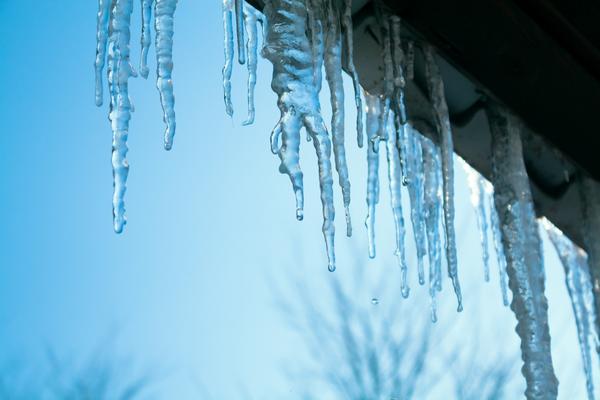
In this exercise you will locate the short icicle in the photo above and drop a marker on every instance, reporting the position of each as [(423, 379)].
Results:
[(164, 11), (477, 186), (373, 104), (435, 86), (497, 236), (146, 39), (101, 40), (228, 49), (240, 31), (348, 34), (251, 18), (579, 285), (119, 72), (522, 246), (333, 72), (289, 49), (432, 192)]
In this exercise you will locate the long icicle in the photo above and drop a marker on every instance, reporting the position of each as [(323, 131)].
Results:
[(119, 72), (240, 31), (101, 40), (146, 39), (395, 183), (348, 33), (289, 50), (497, 236), (579, 284), (251, 18), (333, 71), (476, 185), (373, 104), (435, 86), (433, 205), (522, 246), (228, 49), (164, 11)]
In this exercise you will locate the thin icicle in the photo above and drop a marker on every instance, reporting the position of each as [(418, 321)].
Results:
[(433, 204), (119, 72), (333, 70), (579, 285), (589, 191), (348, 31), (289, 50), (240, 31), (388, 67), (476, 185), (164, 11), (522, 246), (410, 60), (435, 86), (395, 182), (373, 125), (228, 49), (146, 36), (101, 38), (497, 236), (251, 18)]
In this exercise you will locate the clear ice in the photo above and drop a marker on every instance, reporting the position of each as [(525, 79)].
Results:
[(522, 247), (348, 34), (497, 236), (477, 187), (228, 49), (251, 21), (373, 106), (104, 11), (579, 285)]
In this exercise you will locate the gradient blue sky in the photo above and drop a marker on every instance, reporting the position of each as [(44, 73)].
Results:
[(188, 286)]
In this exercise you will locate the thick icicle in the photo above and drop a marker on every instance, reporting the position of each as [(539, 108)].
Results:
[(289, 50), (164, 11), (373, 126), (101, 38), (228, 49), (522, 246), (579, 285), (590, 199), (477, 187), (146, 36), (497, 236), (433, 205), (395, 182), (119, 71), (348, 32), (442, 119), (239, 24), (333, 71), (251, 18), (413, 179)]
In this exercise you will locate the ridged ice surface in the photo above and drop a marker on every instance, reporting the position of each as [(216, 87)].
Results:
[(477, 186), (522, 247), (101, 40), (373, 106), (251, 21), (228, 50), (579, 285), (590, 199), (500, 257), (437, 97), (119, 72), (146, 39), (164, 11), (289, 49), (432, 193)]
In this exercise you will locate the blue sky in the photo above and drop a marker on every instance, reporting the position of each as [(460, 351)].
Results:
[(211, 224)]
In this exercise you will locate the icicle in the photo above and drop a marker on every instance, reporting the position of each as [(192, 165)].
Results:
[(348, 30), (395, 182), (119, 71), (413, 178), (476, 185), (251, 18), (388, 67), (289, 50), (373, 126), (590, 199), (410, 60), (146, 37), (579, 285), (239, 23), (522, 247), (163, 25), (433, 205), (497, 235), (101, 37), (333, 70), (440, 111), (228, 48)]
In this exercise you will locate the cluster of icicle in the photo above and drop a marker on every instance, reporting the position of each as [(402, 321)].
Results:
[(113, 40)]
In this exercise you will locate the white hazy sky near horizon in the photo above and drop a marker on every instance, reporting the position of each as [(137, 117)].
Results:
[(211, 224)]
